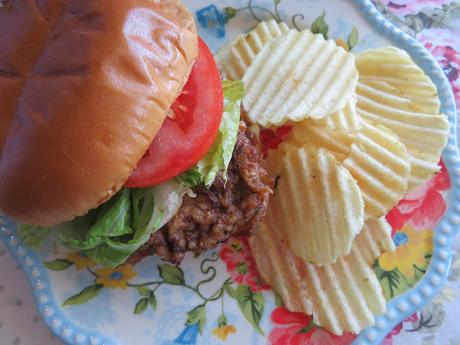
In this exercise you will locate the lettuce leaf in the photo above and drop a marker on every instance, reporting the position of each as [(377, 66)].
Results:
[(218, 157), (191, 178), (113, 232), (32, 236)]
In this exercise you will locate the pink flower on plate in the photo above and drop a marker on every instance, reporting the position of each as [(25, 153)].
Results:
[(444, 45), (424, 207), (291, 328), (405, 7), (395, 331), (240, 264)]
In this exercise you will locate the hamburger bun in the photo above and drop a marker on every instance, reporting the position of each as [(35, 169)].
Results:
[(84, 87)]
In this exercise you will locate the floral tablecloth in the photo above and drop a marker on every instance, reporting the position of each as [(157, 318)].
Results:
[(435, 23)]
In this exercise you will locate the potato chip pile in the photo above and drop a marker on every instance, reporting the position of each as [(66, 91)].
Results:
[(366, 129)]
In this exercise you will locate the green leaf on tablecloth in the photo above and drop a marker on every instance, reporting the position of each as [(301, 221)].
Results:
[(431, 318), (447, 17), (84, 296), (454, 274)]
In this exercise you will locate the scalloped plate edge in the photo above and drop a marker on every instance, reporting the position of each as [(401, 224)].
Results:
[(401, 307), (45, 302)]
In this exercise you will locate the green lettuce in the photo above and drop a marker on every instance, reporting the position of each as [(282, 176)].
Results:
[(122, 225), (115, 230), (32, 236), (191, 178), (218, 157)]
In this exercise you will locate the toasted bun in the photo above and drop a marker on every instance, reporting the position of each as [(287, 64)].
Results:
[(84, 87)]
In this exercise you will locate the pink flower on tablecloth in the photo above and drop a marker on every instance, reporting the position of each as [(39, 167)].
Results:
[(405, 7), (445, 47), (298, 329), (240, 264), (395, 331), (424, 207)]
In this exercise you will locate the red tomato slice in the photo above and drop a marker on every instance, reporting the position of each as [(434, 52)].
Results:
[(185, 139)]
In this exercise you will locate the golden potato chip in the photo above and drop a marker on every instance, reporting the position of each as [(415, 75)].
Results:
[(393, 67), (343, 297), (378, 161), (345, 120), (296, 76), (395, 92), (374, 156), (235, 58), (316, 202), (310, 132)]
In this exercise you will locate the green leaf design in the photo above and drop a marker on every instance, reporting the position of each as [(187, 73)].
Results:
[(278, 300), (222, 320), (141, 306), (153, 301), (320, 26), (171, 274), (230, 12), (353, 38), (197, 315), (393, 282), (251, 304), (230, 291), (84, 296), (58, 264), (143, 291)]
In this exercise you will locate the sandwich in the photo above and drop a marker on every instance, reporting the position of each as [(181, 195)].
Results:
[(118, 133)]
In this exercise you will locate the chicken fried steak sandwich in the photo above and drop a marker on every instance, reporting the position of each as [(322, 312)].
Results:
[(117, 132)]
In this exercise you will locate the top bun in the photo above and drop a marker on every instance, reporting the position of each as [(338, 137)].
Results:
[(84, 87)]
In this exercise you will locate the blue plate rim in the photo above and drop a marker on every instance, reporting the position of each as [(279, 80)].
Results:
[(406, 304), (45, 302), (398, 308)]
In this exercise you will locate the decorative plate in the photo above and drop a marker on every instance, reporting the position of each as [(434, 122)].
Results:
[(219, 297)]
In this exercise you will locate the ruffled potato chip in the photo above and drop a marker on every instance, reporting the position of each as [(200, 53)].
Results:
[(374, 156), (310, 132), (393, 91), (391, 67), (344, 296), (379, 162), (236, 57), (296, 76), (345, 120), (317, 203)]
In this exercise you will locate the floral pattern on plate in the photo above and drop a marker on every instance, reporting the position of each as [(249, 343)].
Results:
[(412, 221), (241, 287)]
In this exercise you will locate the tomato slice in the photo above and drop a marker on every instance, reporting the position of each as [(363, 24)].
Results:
[(188, 134)]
